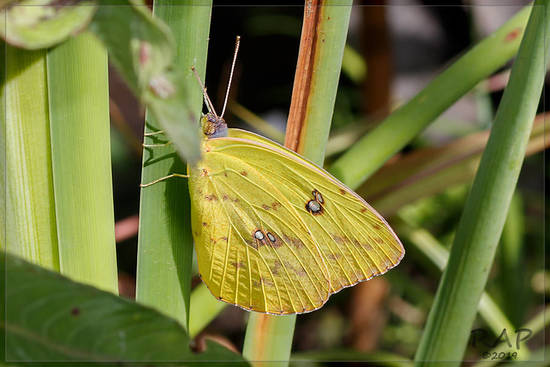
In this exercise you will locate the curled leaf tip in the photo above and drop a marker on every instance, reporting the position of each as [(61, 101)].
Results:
[(24, 24)]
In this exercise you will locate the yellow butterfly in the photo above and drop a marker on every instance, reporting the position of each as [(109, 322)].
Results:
[(275, 233)]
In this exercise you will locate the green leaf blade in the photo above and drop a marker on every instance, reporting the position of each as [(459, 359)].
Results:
[(81, 161), (165, 243), (52, 319), (30, 230)]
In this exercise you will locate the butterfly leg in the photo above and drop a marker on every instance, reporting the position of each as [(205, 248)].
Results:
[(153, 133), (157, 145), (164, 178)]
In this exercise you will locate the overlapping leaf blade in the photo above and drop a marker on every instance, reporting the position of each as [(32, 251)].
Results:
[(143, 50)]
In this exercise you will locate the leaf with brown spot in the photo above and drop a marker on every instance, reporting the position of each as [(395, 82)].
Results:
[(513, 34)]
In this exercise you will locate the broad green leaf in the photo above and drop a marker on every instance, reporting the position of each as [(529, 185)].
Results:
[(51, 318), (34, 24), (142, 48)]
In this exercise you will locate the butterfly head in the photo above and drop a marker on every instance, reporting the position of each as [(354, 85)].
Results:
[(213, 126)]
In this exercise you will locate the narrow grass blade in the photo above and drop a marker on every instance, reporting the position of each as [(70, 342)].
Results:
[(430, 247), (353, 65), (341, 139), (30, 209), (165, 244), (81, 161), (256, 122), (429, 171), (540, 321), (513, 289), (269, 338), (314, 91), (3, 152), (204, 308), (450, 319), (404, 124)]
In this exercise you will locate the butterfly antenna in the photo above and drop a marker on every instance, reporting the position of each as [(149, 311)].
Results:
[(237, 43), (207, 100)]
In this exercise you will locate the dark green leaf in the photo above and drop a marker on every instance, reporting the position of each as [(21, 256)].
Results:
[(50, 318)]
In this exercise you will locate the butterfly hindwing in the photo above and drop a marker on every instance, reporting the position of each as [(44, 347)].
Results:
[(252, 246)]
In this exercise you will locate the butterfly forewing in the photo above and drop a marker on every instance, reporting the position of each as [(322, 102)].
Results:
[(254, 248), (355, 241)]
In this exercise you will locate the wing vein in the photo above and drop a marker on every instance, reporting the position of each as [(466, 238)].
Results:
[(297, 217), (375, 245), (324, 229), (258, 254), (289, 247), (359, 242)]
